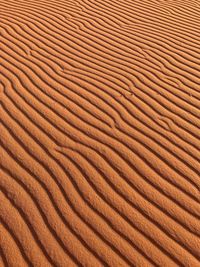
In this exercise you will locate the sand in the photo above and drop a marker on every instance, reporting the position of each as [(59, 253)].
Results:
[(99, 133)]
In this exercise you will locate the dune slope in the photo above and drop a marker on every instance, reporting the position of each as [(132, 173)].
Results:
[(99, 133)]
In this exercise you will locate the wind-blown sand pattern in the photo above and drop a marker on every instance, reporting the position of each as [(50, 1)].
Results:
[(99, 133)]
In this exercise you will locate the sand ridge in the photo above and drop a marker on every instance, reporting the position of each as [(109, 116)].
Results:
[(99, 133)]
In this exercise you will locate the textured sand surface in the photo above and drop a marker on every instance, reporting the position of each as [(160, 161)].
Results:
[(99, 133)]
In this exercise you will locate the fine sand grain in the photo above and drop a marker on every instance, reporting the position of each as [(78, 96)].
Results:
[(99, 133)]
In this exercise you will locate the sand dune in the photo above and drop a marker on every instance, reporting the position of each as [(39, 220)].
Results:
[(99, 133)]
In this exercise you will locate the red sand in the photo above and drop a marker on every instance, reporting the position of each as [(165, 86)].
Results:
[(99, 133)]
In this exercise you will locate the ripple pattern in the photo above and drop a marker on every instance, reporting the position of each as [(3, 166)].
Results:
[(99, 133)]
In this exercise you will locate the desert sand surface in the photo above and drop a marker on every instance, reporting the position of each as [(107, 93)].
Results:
[(99, 133)]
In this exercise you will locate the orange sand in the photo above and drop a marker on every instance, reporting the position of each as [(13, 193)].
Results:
[(99, 133)]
